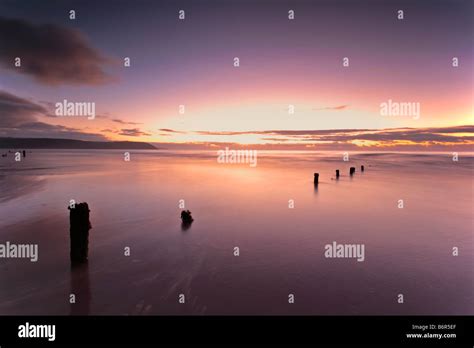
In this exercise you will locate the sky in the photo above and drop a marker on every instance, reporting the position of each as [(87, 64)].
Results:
[(284, 64)]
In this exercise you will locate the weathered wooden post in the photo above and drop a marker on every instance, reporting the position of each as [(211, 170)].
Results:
[(337, 173), (316, 178), (352, 170), (361, 168), (79, 232), (186, 217)]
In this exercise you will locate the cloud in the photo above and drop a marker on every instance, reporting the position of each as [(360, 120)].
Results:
[(340, 107), (225, 133), (462, 135), (15, 110), (117, 120), (46, 130), (167, 130), (19, 117), (276, 139), (133, 132), (282, 132), (51, 54)]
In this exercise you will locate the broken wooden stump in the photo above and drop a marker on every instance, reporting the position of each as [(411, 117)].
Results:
[(186, 217), (79, 232), (316, 178)]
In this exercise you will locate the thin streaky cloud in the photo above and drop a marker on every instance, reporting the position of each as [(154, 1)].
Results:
[(117, 120), (336, 108), (133, 132)]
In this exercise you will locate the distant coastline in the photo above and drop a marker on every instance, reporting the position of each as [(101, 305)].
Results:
[(52, 143)]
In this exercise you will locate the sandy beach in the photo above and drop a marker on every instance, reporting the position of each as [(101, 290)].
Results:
[(136, 204)]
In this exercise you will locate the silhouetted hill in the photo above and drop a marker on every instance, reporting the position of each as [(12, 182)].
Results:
[(51, 143)]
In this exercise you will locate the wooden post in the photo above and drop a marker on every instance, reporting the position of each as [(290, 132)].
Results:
[(316, 178), (79, 232), (186, 217)]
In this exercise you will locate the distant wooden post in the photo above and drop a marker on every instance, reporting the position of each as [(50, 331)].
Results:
[(316, 178), (186, 217), (79, 232), (352, 170), (337, 173), (361, 168)]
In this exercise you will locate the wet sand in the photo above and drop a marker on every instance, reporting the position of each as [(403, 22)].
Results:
[(136, 204)]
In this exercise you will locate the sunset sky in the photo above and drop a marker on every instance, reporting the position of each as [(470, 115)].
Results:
[(282, 62)]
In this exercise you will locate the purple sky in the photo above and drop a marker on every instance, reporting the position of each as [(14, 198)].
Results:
[(190, 62)]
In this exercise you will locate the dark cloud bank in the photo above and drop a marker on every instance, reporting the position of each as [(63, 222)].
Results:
[(51, 54), (20, 117)]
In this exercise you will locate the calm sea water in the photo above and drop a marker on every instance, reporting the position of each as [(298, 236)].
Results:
[(136, 204)]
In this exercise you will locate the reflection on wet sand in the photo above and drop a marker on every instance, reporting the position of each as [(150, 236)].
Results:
[(281, 249), (14, 186), (80, 297)]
